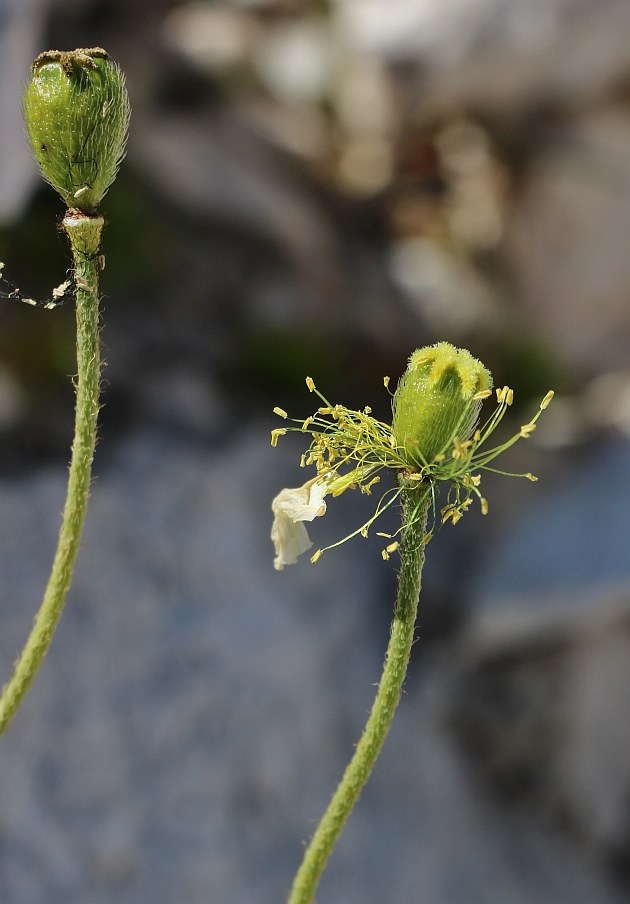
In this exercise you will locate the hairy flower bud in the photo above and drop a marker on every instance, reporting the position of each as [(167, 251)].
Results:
[(76, 111), (438, 400)]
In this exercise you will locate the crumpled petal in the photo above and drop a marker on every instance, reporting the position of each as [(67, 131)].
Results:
[(291, 508)]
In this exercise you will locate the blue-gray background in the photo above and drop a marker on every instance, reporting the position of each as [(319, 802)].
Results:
[(318, 188)]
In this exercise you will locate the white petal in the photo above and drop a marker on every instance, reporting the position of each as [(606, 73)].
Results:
[(291, 508)]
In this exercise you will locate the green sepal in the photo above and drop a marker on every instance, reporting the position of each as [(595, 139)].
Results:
[(76, 110), (437, 401)]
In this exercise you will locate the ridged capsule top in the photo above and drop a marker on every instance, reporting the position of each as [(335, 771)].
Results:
[(437, 400), (76, 110)]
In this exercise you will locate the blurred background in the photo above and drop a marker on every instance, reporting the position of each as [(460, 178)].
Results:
[(319, 188)]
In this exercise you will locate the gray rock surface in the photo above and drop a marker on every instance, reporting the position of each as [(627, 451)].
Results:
[(544, 662), (497, 55), (566, 239), (568, 547), (196, 708)]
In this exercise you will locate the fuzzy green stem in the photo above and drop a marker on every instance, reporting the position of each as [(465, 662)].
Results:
[(414, 512), (84, 234)]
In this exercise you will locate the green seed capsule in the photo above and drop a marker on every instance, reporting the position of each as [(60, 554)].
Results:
[(437, 401), (76, 111)]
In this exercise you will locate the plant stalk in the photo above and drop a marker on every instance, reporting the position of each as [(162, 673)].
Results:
[(84, 234), (414, 512)]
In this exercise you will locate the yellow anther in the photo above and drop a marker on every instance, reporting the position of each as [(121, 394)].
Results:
[(310, 384), (460, 449), (484, 506), (385, 379), (276, 434), (505, 396), (545, 402), (526, 430), (531, 477), (280, 411), (317, 556), (393, 547), (484, 394)]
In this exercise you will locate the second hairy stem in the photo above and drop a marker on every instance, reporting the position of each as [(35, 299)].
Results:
[(84, 233), (415, 503)]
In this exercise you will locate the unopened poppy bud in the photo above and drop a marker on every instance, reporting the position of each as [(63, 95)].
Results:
[(76, 111), (437, 401)]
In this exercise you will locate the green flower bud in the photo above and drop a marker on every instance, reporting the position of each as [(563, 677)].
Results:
[(76, 110), (438, 400)]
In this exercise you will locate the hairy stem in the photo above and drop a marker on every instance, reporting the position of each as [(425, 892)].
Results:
[(415, 505), (84, 233)]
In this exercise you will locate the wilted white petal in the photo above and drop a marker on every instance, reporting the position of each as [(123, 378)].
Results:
[(291, 508)]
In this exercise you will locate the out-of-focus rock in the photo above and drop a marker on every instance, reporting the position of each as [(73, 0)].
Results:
[(220, 168), (544, 664), (566, 240), (216, 37), (21, 24), (541, 708), (500, 56), (567, 547), (446, 292)]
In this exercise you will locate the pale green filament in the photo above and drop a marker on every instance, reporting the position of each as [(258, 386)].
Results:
[(350, 449)]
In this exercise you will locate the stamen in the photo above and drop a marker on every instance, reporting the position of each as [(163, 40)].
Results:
[(545, 402), (276, 434)]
